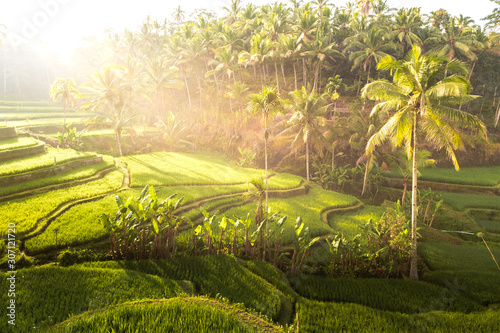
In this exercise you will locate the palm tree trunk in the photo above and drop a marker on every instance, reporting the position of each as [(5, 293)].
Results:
[(295, 75), (187, 89), (307, 159), (365, 178), (277, 76), (304, 72), (265, 175), (414, 254), (199, 88), (403, 198), (64, 109), (316, 77), (333, 156), (283, 72), (119, 140), (472, 69)]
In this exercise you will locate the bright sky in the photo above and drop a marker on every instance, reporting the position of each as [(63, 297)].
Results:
[(61, 24)]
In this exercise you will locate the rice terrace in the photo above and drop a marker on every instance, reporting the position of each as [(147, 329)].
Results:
[(250, 166)]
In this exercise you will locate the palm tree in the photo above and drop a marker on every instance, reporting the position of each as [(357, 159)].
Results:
[(320, 50), (266, 102), (112, 98), (453, 42), (423, 99), (160, 77), (368, 51), (494, 18), (232, 11), (178, 15), (309, 109), (65, 89), (237, 93), (289, 46), (406, 24)]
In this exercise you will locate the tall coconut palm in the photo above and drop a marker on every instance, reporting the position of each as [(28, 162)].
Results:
[(453, 42), (66, 90), (160, 76), (406, 24), (112, 99), (320, 50), (266, 102), (373, 47), (309, 109), (423, 100)]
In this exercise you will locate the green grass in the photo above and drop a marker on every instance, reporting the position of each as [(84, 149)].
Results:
[(186, 169), (272, 275), (469, 268), (79, 225), (485, 176), (349, 223), (20, 142), (48, 295), (209, 206), (284, 181), (33, 115), (345, 317), (191, 315), (460, 201), (25, 212), (482, 176), (309, 207), (75, 174), (111, 132), (490, 226), (212, 275), (42, 121), (31, 163), (403, 296), (480, 286), (447, 256)]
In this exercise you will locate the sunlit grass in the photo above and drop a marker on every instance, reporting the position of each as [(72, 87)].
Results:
[(308, 207), (20, 142), (22, 116), (25, 212), (76, 174), (42, 121), (349, 223), (484, 176), (31, 163), (81, 224), (186, 169)]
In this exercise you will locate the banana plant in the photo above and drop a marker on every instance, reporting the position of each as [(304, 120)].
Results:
[(210, 232), (141, 222), (336, 246), (246, 224), (302, 243)]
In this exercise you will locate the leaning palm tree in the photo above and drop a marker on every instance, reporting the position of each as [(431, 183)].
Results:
[(265, 102), (307, 118), (65, 89), (422, 98)]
